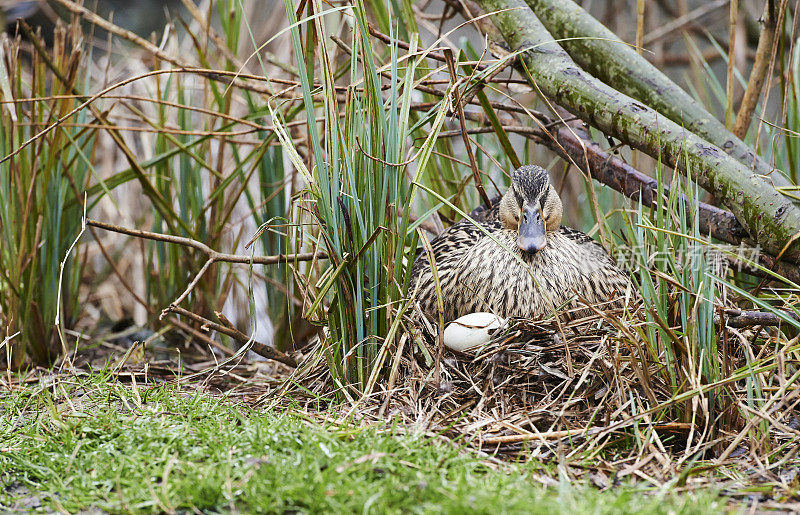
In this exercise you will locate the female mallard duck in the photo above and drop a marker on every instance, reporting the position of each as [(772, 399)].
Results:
[(520, 262)]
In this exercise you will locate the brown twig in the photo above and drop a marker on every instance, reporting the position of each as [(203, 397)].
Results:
[(405, 46), (476, 176), (730, 83), (764, 56), (228, 329), (681, 22), (500, 106), (175, 321), (557, 435), (543, 436), (212, 254)]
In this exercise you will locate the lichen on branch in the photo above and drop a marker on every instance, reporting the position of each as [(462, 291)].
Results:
[(768, 216)]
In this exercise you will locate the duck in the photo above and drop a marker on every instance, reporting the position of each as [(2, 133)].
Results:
[(517, 260)]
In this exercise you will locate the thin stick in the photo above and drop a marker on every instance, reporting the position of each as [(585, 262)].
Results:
[(733, 19), (548, 435), (683, 21), (764, 55), (737, 318), (194, 282), (476, 176), (208, 251), (228, 329), (175, 321), (640, 7), (557, 435)]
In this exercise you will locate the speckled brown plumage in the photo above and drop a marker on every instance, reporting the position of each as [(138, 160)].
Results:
[(477, 273)]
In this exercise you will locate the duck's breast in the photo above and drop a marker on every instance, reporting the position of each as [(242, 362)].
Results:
[(494, 275)]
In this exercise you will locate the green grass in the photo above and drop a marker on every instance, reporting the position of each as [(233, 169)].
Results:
[(92, 443)]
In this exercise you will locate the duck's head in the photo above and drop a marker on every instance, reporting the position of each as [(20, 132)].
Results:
[(531, 207)]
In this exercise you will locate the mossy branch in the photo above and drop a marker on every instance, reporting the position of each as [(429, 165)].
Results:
[(769, 217), (600, 52)]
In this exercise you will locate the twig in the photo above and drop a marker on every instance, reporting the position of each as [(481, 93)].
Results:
[(440, 93), (764, 55), (208, 251), (175, 321), (557, 435), (733, 19), (228, 329), (476, 176), (683, 21), (405, 46), (789, 271), (544, 436)]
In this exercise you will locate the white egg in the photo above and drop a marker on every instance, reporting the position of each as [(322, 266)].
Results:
[(471, 331)]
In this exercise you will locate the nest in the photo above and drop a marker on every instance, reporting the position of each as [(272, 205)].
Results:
[(592, 386), (533, 385)]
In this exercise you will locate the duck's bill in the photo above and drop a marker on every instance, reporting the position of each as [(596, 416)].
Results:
[(532, 236)]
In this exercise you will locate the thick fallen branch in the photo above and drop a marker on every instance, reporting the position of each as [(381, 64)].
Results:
[(737, 318), (613, 171), (770, 218), (600, 52)]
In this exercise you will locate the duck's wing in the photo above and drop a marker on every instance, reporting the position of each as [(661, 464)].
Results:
[(577, 236), (595, 251), (449, 249), (485, 213), (450, 245)]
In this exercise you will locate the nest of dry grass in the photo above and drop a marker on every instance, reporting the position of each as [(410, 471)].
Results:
[(588, 387)]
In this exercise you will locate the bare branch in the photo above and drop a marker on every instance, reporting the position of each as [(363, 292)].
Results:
[(228, 329), (208, 251), (765, 53), (737, 318)]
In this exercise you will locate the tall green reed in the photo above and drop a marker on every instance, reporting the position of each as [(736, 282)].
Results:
[(41, 193), (685, 282), (677, 284), (357, 180)]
